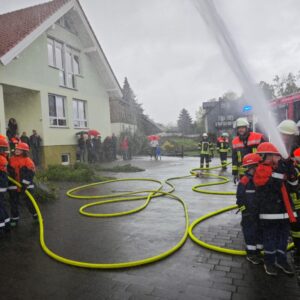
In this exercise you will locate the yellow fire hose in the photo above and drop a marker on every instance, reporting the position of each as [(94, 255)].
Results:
[(149, 197), (132, 196)]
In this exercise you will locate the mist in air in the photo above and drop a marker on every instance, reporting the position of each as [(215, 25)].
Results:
[(237, 63)]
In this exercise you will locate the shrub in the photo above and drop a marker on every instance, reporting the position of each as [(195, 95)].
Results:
[(76, 173), (167, 146), (125, 169)]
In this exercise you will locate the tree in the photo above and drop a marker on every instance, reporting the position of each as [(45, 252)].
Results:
[(230, 95), (290, 85), (278, 86), (200, 121), (128, 94), (136, 114), (267, 89), (286, 85), (184, 122)]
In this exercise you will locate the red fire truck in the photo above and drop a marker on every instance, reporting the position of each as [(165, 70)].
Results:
[(287, 107)]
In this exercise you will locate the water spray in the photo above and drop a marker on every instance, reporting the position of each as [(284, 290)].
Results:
[(237, 63)]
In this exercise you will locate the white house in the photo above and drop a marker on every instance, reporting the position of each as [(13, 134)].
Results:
[(54, 76)]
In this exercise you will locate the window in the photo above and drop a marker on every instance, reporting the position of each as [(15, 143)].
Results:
[(66, 59), (79, 114), (55, 54), (72, 66), (51, 60), (65, 159), (57, 112)]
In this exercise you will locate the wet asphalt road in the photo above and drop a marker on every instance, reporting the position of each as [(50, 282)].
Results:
[(191, 273)]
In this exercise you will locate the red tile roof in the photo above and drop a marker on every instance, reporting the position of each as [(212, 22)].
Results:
[(16, 25)]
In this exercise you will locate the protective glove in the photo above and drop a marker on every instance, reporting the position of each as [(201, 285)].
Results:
[(241, 208), (285, 166), (24, 188), (236, 179)]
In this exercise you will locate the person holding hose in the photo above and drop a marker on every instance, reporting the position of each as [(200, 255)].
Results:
[(289, 132), (22, 169), (244, 143), (295, 227), (206, 148), (249, 208), (4, 218), (272, 178), (222, 148)]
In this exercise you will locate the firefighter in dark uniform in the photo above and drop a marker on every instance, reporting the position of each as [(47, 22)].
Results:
[(222, 148), (289, 132), (295, 227), (4, 218), (206, 148), (249, 208), (22, 169), (273, 177), (244, 143)]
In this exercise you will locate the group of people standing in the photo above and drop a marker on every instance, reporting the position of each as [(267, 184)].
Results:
[(268, 195), (34, 141), (268, 191), (19, 166), (207, 148), (91, 149)]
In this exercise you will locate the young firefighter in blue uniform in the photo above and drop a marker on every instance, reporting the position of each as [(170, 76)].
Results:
[(249, 208), (206, 148), (272, 178), (4, 218), (22, 169)]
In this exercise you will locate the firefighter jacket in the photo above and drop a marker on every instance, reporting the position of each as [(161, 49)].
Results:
[(269, 195), (295, 195), (222, 144), (246, 197), (22, 169), (3, 174), (241, 147), (205, 147)]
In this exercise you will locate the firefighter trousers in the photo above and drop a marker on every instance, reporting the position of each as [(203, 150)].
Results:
[(295, 233), (223, 157), (252, 233), (275, 240), (14, 197), (4, 218), (206, 158)]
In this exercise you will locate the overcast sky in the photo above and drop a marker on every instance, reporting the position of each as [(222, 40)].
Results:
[(170, 58)]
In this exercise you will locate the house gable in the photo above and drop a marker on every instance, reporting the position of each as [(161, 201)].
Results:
[(44, 17)]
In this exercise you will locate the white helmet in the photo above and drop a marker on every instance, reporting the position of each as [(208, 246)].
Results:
[(225, 134), (204, 134), (241, 122), (288, 127)]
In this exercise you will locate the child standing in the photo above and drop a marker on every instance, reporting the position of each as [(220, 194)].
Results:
[(22, 169), (4, 218), (271, 179), (249, 208)]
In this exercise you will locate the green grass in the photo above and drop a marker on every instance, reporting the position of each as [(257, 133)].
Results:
[(191, 153), (121, 169)]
